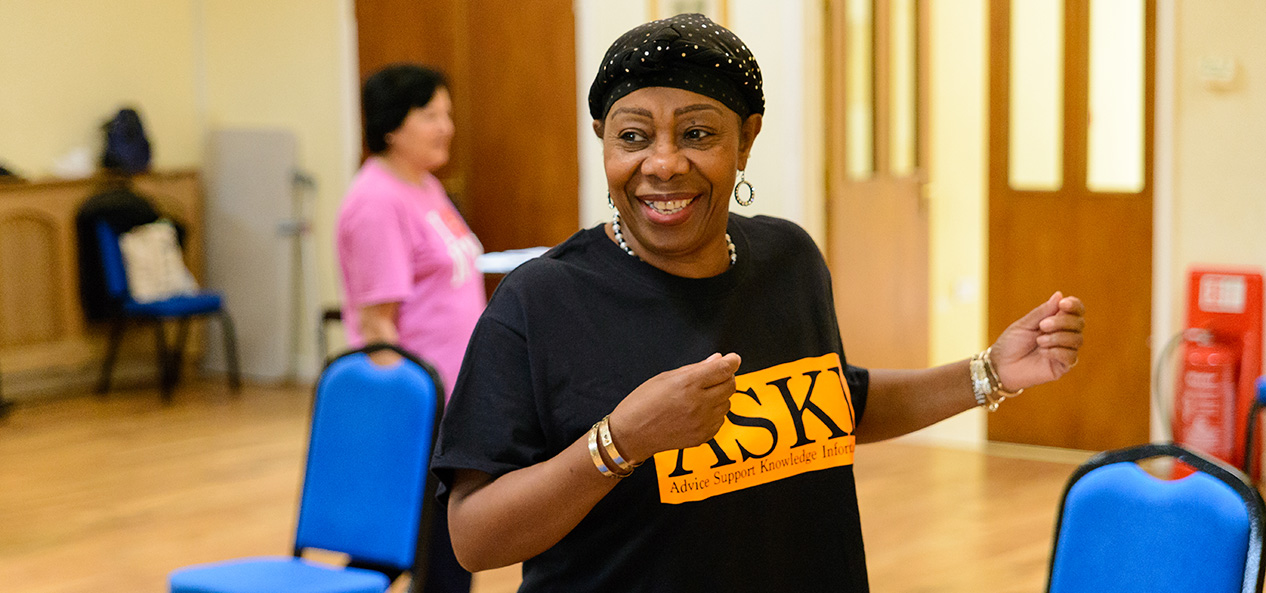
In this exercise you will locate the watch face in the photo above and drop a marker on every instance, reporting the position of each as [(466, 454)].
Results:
[(980, 380)]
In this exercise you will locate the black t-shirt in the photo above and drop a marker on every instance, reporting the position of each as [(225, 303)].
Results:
[(767, 505)]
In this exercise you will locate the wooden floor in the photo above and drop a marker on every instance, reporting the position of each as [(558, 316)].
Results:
[(110, 494)]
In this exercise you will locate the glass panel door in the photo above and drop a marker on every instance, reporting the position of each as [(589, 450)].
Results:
[(1115, 136), (1037, 93)]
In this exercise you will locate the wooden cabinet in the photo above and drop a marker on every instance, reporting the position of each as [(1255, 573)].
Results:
[(45, 341)]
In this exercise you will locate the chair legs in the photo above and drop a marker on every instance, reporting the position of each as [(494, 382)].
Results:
[(166, 374), (230, 351), (5, 405), (170, 356), (112, 351)]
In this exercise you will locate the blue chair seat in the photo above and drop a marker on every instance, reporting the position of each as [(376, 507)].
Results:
[(201, 303), (270, 574)]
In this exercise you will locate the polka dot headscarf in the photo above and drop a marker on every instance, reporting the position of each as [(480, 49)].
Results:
[(687, 51)]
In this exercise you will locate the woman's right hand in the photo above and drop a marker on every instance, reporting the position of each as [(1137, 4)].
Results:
[(519, 515), (675, 409)]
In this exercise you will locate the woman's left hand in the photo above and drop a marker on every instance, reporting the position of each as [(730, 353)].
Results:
[(1041, 346)]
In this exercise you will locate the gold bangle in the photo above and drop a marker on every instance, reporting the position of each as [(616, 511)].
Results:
[(597, 457), (987, 357), (608, 445)]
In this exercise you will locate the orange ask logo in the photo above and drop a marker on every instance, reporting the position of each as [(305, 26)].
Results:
[(785, 420)]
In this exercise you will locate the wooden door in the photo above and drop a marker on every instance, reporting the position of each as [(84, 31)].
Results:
[(514, 169), (877, 220), (1076, 214)]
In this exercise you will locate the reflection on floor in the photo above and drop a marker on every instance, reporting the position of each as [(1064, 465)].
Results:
[(109, 494)]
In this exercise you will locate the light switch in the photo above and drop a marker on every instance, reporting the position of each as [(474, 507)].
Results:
[(1218, 72)]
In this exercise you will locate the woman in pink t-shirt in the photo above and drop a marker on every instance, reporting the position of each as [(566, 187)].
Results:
[(407, 257)]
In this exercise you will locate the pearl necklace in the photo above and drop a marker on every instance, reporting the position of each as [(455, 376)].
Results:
[(619, 238)]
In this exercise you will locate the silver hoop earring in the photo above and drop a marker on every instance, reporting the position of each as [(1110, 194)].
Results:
[(751, 192)]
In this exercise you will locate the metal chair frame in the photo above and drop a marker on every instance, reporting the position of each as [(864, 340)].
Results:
[(1231, 476)]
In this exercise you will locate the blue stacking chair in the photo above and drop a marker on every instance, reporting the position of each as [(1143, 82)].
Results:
[(180, 308), (1122, 530), (367, 492)]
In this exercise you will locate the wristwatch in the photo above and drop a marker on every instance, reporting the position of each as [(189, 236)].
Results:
[(985, 383), (981, 385)]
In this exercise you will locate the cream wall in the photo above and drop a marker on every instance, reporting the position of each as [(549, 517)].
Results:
[(290, 64), (957, 181), (189, 66), (1211, 205), (1219, 139), (69, 65)]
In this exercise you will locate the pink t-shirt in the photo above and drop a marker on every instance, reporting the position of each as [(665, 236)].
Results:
[(403, 243)]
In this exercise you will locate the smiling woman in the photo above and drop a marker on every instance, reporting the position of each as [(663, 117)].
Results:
[(677, 109), (697, 343), (671, 157)]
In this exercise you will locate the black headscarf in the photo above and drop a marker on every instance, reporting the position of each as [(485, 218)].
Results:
[(688, 52)]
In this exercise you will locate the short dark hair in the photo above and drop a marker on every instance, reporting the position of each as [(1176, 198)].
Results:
[(388, 96)]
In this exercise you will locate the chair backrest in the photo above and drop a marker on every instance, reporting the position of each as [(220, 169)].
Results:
[(366, 488), (1122, 530), (112, 262), (122, 207)]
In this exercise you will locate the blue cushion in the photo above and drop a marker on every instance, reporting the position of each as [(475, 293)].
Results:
[(1126, 531), (177, 306), (268, 574)]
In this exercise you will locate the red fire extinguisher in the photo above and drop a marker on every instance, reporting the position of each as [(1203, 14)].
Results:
[(1221, 360), (1205, 413)]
